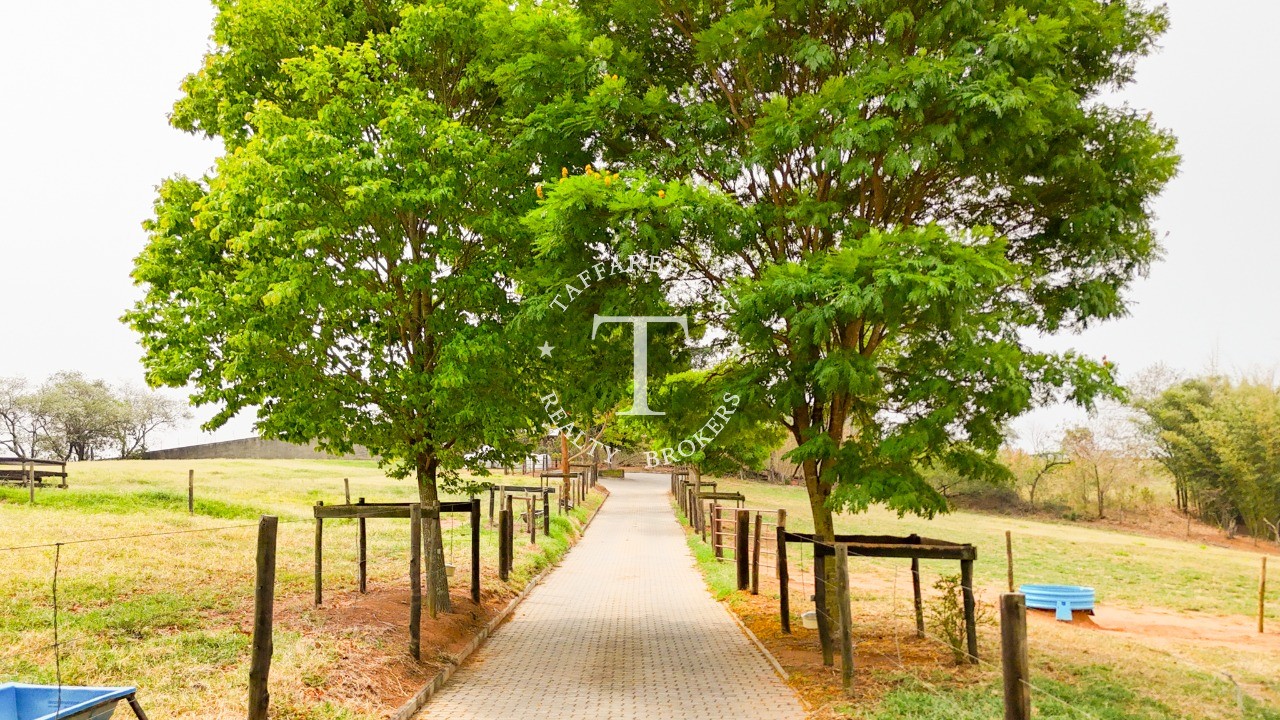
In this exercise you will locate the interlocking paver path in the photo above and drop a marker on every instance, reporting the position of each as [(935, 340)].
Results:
[(624, 628)]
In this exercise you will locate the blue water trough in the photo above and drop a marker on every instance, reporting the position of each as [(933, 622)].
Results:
[(42, 702), (1062, 599)]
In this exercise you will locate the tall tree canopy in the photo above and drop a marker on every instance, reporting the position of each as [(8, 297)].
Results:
[(885, 198), (347, 267)]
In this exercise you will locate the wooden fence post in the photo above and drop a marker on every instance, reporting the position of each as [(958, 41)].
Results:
[(784, 591), (918, 597), (755, 555), (820, 604), (533, 520), (502, 544), (846, 618), (346, 489), (264, 594), (1262, 596), (415, 581), (1013, 656), (31, 479), (1008, 552), (970, 610), (716, 528), (490, 505), (362, 555), (504, 541), (742, 549), (546, 513), (511, 535), (319, 555), (191, 492), (475, 550)]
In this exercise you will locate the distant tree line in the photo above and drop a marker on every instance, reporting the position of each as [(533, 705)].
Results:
[(1216, 437), (70, 417), (1220, 440)]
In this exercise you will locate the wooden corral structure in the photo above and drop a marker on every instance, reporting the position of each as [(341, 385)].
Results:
[(912, 547), (363, 511), (25, 471)]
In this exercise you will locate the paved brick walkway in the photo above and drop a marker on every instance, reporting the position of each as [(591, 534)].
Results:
[(624, 628)]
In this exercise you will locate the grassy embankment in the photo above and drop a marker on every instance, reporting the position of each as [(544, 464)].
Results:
[(172, 613), (1199, 599)]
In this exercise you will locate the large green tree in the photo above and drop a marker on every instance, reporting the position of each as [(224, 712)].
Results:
[(884, 199), (347, 267)]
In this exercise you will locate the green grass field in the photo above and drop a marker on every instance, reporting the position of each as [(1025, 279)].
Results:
[(171, 613), (1124, 568), (1192, 669)]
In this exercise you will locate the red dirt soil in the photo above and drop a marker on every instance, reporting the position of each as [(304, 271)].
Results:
[(387, 679), (885, 655), (1157, 624)]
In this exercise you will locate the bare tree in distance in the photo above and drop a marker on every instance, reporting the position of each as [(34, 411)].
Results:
[(72, 417), (144, 413)]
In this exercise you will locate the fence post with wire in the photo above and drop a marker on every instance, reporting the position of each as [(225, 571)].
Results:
[(264, 593), (1015, 665)]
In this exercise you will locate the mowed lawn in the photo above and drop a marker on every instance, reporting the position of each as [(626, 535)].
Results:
[(171, 613), (1184, 647)]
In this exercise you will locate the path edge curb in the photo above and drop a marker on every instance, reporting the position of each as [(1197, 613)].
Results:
[(768, 656), (777, 666), (419, 700)]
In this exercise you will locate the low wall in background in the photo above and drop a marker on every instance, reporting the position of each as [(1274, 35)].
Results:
[(249, 449)]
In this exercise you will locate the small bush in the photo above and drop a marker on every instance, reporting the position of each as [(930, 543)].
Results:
[(946, 615)]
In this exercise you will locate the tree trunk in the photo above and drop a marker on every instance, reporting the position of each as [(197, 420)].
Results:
[(437, 596), (823, 530)]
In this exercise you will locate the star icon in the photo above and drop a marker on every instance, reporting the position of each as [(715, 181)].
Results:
[(546, 349)]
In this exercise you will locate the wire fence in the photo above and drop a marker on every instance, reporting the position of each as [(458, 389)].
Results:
[(123, 603), (720, 528), (61, 645)]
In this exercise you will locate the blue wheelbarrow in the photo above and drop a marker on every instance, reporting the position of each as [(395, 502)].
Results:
[(48, 702)]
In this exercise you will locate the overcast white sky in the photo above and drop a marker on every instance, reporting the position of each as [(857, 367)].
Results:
[(85, 88)]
